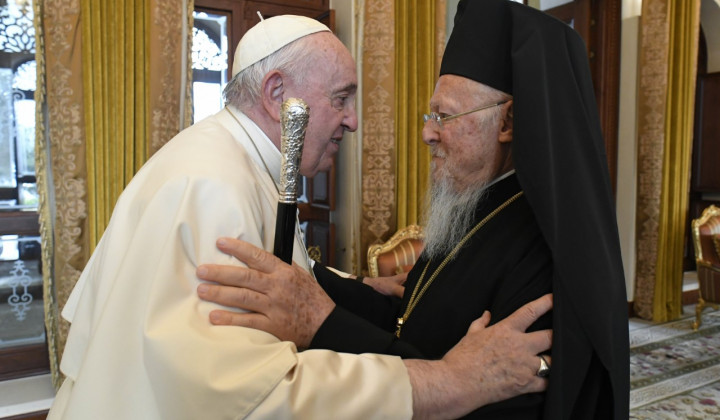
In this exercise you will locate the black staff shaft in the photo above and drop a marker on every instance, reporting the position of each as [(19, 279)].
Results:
[(285, 231), (293, 121)]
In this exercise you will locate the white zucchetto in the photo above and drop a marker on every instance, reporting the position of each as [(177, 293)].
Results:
[(269, 35)]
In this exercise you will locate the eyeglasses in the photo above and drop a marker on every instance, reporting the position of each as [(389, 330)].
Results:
[(434, 116)]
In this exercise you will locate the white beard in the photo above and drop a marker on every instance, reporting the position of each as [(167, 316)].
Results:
[(449, 214)]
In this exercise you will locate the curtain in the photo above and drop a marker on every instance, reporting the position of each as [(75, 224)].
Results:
[(402, 45), (667, 68), (114, 84), (123, 126), (61, 166), (418, 51)]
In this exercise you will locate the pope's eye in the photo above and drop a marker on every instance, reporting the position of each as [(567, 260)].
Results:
[(338, 102)]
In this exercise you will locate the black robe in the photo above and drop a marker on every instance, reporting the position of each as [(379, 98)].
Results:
[(504, 265), (559, 155)]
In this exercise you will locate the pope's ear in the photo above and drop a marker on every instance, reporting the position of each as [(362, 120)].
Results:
[(272, 91), (506, 125)]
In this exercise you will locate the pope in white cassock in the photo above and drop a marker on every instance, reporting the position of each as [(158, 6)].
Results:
[(140, 344)]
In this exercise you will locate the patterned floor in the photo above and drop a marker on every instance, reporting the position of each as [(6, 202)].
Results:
[(675, 371)]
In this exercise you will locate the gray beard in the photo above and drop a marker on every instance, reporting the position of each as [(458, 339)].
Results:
[(449, 215)]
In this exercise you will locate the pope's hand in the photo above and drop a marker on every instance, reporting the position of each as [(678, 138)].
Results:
[(283, 300), (490, 364), (504, 354)]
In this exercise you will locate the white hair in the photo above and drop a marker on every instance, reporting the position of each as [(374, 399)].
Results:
[(243, 90)]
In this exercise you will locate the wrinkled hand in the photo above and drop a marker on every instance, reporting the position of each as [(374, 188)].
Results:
[(283, 300), (503, 357), (389, 286), (490, 364)]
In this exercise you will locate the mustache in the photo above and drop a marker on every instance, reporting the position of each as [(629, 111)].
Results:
[(436, 151)]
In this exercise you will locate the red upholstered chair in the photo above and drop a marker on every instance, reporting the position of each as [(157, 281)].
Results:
[(398, 254), (706, 237)]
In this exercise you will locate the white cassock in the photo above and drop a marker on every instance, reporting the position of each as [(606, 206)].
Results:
[(141, 345)]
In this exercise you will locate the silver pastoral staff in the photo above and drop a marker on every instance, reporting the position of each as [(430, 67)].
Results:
[(293, 120)]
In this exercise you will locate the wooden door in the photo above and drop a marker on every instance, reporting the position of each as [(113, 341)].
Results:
[(598, 23)]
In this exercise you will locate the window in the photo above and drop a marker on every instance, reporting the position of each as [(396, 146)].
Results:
[(21, 304), (17, 106), (210, 58), (23, 349)]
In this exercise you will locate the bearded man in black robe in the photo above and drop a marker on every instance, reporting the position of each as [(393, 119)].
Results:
[(520, 206)]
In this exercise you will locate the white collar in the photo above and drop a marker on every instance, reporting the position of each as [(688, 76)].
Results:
[(266, 154), (500, 178)]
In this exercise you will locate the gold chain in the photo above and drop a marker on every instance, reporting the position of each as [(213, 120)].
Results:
[(415, 297)]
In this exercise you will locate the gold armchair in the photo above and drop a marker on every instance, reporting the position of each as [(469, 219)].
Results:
[(706, 238), (398, 254)]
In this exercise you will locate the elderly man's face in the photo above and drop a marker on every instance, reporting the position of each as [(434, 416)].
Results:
[(472, 149), (330, 94)]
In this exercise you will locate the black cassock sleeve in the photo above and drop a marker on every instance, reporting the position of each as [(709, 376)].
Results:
[(363, 320)]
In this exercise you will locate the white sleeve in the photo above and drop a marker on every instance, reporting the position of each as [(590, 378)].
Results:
[(339, 272), (329, 385), (141, 344)]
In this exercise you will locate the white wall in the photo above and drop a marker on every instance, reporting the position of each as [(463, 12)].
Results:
[(450, 17), (710, 20), (627, 148), (346, 217), (626, 193), (631, 8)]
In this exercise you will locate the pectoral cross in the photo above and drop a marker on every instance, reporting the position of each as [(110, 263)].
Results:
[(400, 322)]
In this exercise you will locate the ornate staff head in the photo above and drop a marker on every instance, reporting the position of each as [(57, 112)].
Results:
[(293, 119)]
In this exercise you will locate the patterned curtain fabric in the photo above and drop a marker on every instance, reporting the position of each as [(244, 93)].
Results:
[(666, 100), (402, 44), (378, 125), (60, 166), (115, 80)]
